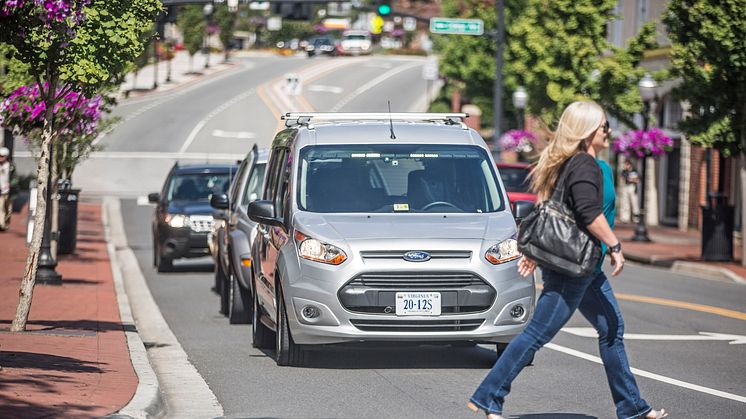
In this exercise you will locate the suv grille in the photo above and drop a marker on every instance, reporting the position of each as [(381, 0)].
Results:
[(375, 293), (201, 223), (385, 325), (399, 254)]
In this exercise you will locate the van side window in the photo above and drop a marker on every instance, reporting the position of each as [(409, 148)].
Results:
[(284, 182), (273, 173)]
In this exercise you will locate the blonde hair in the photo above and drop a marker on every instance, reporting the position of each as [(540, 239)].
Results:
[(578, 123)]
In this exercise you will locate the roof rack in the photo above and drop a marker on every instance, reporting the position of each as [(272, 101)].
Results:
[(305, 118)]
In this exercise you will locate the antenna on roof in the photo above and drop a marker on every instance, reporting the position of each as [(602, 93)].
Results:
[(391, 122)]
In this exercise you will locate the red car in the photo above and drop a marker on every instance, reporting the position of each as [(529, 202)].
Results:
[(515, 179)]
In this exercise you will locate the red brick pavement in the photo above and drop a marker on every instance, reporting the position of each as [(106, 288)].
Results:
[(73, 361), (669, 245)]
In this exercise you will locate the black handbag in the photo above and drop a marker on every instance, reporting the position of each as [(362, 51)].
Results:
[(550, 236)]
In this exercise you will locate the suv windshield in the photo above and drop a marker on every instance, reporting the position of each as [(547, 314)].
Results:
[(397, 178), (197, 186), (515, 179)]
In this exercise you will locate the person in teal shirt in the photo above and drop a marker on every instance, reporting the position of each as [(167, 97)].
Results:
[(609, 204)]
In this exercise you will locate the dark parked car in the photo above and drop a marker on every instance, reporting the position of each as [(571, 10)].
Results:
[(183, 216), (321, 46), (234, 234)]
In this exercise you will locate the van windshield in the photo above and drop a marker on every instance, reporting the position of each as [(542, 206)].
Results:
[(397, 178)]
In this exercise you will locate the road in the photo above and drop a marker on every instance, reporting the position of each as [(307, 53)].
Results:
[(691, 377)]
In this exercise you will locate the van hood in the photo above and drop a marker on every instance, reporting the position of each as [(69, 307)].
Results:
[(335, 227)]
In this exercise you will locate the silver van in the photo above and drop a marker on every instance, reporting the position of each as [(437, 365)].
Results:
[(384, 227)]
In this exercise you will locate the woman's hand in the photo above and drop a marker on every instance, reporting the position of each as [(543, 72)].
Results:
[(526, 266), (617, 261)]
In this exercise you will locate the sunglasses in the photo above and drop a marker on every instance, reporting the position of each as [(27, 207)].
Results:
[(607, 128)]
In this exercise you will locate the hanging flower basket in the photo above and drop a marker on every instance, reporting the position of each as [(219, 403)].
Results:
[(640, 144), (520, 141)]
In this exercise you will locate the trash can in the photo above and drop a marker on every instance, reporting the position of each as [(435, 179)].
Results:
[(68, 220), (717, 229)]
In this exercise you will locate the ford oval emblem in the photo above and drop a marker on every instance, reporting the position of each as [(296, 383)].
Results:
[(417, 256)]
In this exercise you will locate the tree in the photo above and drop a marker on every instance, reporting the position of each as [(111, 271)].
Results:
[(192, 24), (556, 49), (709, 56), (226, 22), (69, 46)]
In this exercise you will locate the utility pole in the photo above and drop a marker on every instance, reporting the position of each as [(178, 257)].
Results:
[(498, 93)]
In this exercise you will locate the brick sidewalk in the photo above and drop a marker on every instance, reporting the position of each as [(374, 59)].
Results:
[(73, 361), (669, 245)]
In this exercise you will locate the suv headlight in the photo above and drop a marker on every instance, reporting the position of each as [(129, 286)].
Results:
[(505, 251), (312, 249), (177, 220)]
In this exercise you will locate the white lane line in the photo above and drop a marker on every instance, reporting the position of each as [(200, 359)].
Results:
[(153, 155), (652, 376), (589, 332), (371, 84), (216, 111), (233, 134), (322, 88)]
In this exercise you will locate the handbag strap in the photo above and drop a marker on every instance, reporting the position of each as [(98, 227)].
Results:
[(559, 187)]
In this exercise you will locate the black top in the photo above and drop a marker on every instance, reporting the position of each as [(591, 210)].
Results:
[(584, 185)]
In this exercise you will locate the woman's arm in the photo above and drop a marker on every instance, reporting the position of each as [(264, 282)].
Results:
[(600, 228)]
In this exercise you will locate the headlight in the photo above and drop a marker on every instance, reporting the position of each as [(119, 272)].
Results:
[(177, 220), (312, 249), (505, 251)]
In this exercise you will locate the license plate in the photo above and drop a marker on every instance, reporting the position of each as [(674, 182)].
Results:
[(418, 304)]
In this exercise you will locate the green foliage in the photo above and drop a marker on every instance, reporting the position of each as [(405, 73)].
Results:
[(14, 72), (709, 55), (291, 29), (191, 21), (556, 49), (226, 21)]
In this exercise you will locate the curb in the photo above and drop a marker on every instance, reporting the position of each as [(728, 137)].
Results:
[(183, 391), (694, 269), (147, 401), (175, 87)]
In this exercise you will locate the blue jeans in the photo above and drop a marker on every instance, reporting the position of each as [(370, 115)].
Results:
[(559, 299)]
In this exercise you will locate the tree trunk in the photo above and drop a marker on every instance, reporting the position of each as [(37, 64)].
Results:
[(54, 223), (32, 261)]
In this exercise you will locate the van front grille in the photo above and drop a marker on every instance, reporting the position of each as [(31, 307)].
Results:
[(421, 326)]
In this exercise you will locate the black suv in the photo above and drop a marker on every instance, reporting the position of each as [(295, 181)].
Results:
[(183, 215)]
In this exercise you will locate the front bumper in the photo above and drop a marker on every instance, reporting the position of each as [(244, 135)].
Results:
[(183, 243), (324, 287)]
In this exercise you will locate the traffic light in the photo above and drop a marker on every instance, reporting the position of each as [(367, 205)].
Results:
[(383, 8)]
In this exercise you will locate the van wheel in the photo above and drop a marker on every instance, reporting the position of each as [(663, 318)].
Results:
[(260, 333), (223, 290), (239, 303), (288, 353)]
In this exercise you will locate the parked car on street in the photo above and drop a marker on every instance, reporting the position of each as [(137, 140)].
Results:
[(234, 233), (355, 42), (322, 45), (515, 179), (384, 227), (183, 216)]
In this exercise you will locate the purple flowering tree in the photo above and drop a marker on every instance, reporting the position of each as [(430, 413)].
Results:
[(641, 144), (520, 141), (74, 49)]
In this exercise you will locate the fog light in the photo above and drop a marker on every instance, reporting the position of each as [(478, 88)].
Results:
[(311, 312), (517, 311)]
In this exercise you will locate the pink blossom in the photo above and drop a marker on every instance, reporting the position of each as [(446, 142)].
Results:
[(518, 140), (638, 143)]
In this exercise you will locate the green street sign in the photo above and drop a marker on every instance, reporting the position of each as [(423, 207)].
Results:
[(443, 25)]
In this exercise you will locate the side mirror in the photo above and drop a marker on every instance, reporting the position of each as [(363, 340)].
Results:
[(219, 201), (154, 197), (263, 212), (521, 210)]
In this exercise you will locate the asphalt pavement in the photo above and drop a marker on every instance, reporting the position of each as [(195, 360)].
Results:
[(690, 374)]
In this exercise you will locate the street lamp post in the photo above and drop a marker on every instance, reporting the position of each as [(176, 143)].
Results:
[(647, 86), (207, 11), (520, 98)]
